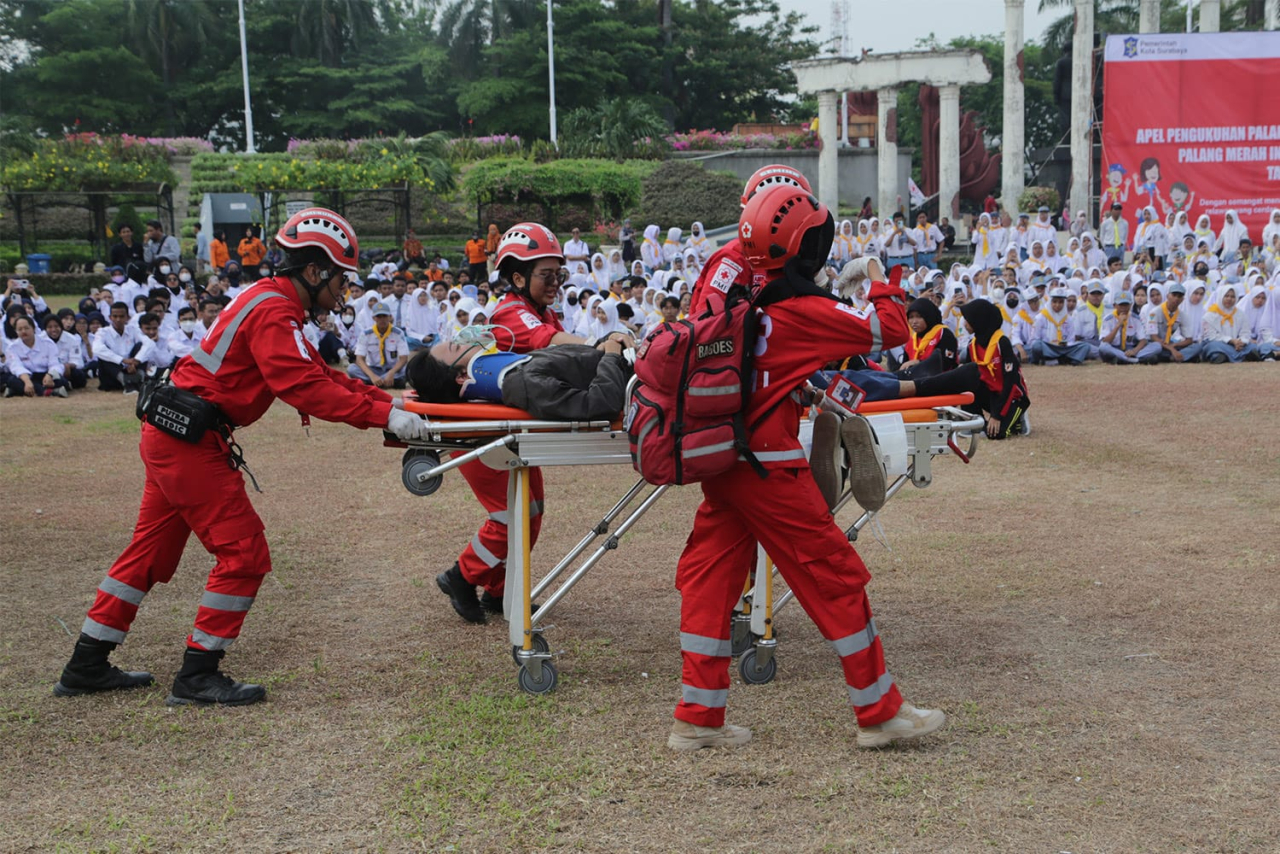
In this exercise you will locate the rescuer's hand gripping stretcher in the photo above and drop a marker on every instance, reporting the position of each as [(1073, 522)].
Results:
[(910, 432)]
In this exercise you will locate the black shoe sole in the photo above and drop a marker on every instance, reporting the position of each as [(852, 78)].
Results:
[(442, 581), (174, 700), (60, 690)]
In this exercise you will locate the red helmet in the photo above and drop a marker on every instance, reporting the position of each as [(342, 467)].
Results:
[(528, 241), (774, 175), (323, 228), (782, 223)]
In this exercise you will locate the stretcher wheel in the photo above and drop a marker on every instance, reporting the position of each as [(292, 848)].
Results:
[(741, 637), (539, 644), (533, 686), (752, 672), (417, 462)]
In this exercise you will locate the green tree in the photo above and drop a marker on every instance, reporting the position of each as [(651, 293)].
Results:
[(617, 128)]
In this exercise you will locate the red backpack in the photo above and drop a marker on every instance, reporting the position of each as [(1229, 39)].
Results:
[(686, 415)]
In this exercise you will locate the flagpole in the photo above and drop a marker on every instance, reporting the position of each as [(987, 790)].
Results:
[(244, 73)]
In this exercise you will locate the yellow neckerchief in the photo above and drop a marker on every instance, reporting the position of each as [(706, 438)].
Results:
[(1115, 232), (382, 341), (1169, 320), (1124, 327), (1022, 313), (985, 247), (1097, 314), (988, 353), (1226, 318), (861, 240), (918, 345), (924, 230), (1057, 324), (1040, 262), (1004, 312), (1143, 230)]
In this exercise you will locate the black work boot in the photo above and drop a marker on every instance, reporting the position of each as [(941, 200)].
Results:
[(89, 672), (200, 683), (462, 595)]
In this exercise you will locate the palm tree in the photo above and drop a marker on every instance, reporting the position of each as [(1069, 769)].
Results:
[(467, 27), (326, 28), (1110, 16), (168, 33), (615, 128)]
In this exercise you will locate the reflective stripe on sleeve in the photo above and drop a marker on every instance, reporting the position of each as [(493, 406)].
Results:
[(705, 697), (703, 645), (122, 591), (223, 602), (872, 693), (212, 362), (856, 642), (874, 321), (94, 629), (776, 456)]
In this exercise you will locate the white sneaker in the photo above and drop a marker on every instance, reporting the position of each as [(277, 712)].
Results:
[(61, 391), (685, 736), (909, 722)]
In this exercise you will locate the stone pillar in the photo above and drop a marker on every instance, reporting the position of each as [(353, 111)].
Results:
[(1271, 15), (1148, 16), (887, 151), (1012, 137), (1081, 107), (829, 155), (1210, 16), (949, 152)]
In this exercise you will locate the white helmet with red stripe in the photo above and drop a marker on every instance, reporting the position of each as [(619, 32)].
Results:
[(324, 229), (528, 241), (774, 175)]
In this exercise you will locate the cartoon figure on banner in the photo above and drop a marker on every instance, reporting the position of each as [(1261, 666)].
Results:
[(1181, 198), (1117, 189), (1149, 175)]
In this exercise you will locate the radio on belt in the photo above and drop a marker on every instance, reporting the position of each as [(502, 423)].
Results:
[(843, 395)]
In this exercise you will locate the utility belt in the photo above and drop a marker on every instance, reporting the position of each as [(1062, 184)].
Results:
[(185, 415)]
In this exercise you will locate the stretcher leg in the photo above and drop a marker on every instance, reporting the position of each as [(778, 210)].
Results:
[(537, 675), (758, 664), (598, 531)]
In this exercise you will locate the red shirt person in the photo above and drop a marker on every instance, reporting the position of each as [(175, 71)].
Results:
[(786, 234), (254, 354), (529, 259)]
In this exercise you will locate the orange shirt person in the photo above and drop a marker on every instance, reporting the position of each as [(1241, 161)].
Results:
[(219, 255), (251, 250)]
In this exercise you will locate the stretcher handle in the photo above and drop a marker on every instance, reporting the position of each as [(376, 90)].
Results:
[(901, 403), (462, 459), (445, 428)]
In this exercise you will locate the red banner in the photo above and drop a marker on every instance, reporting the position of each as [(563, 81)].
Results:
[(1191, 123)]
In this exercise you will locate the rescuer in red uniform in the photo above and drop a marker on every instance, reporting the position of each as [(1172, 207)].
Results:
[(529, 259), (254, 353), (785, 235)]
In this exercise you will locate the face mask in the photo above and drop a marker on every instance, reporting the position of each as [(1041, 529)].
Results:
[(119, 280), (186, 325), (164, 269), (264, 272), (348, 319), (184, 277)]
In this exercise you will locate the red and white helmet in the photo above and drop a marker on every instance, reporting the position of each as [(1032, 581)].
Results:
[(775, 224), (527, 241), (774, 175), (322, 228)]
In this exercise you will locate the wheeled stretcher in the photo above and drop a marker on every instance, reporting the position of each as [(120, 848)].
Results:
[(505, 438)]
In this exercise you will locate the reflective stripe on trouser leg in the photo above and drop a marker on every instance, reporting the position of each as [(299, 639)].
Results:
[(821, 567), (483, 560), (230, 591), (714, 566), (150, 558)]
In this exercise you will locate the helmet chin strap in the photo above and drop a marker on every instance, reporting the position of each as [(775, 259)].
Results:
[(314, 291)]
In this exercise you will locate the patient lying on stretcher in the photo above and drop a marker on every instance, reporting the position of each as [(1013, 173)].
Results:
[(568, 382)]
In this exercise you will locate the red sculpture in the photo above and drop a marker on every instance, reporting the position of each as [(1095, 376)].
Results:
[(979, 169)]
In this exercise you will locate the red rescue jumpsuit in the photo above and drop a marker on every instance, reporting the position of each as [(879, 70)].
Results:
[(254, 353), (727, 266), (524, 328), (787, 514)]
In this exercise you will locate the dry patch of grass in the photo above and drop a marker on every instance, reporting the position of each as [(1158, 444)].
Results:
[(1095, 607)]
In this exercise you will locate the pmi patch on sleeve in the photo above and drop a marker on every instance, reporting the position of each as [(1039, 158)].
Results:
[(529, 320), (726, 274)]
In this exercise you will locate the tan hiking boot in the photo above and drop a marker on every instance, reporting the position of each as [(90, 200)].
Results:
[(909, 722), (686, 736), (866, 468), (824, 459)]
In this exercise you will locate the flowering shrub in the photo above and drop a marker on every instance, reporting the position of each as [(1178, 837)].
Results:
[(88, 161), (251, 173), (710, 140), (468, 148)]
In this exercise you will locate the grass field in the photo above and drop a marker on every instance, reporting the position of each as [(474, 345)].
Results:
[(1095, 606)]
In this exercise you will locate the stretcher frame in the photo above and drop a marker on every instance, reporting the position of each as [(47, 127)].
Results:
[(508, 439)]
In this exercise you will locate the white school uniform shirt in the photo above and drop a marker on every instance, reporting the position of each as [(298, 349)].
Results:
[(384, 271), (1134, 330), (1088, 328), (1220, 325), (577, 247), (180, 345), (70, 350), (395, 346), (1055, 329), (928, 239), (1042, 230), (114, 347), (155, 353), (40, 358)]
